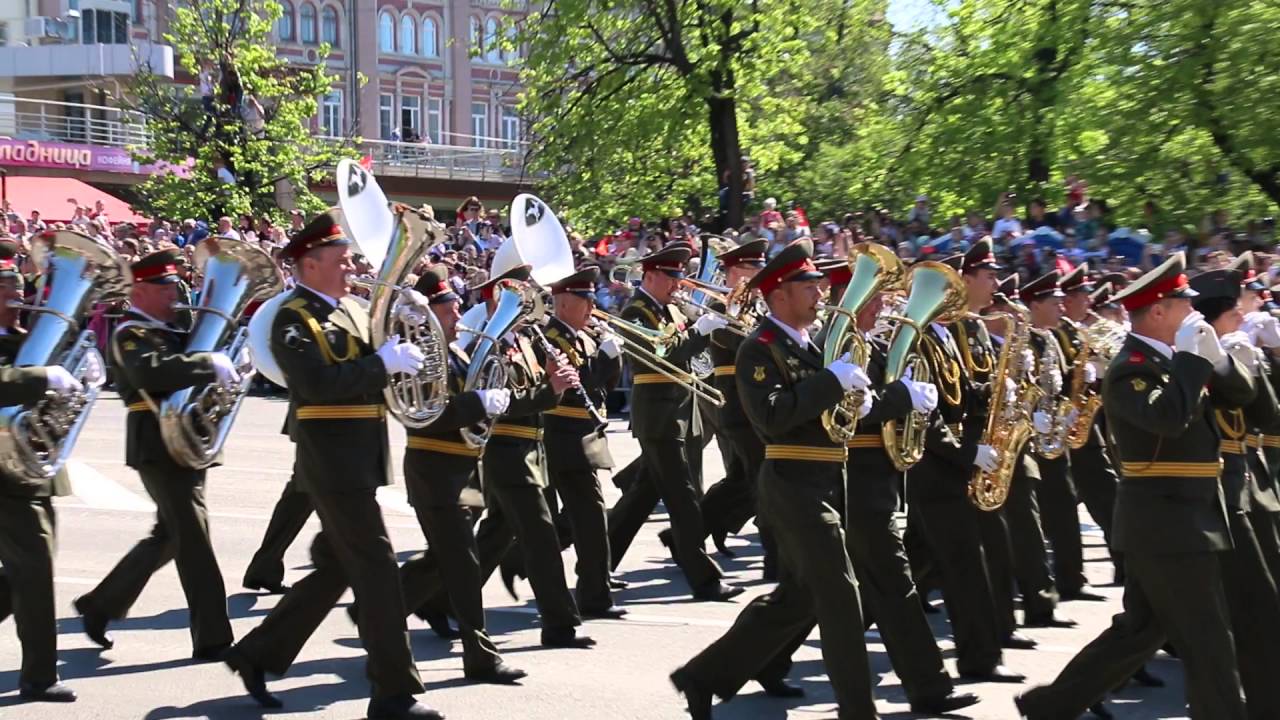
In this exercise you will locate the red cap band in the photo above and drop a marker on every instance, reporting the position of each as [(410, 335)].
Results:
[(1153, 294), (156, 271), (784, 273), (841, 276)]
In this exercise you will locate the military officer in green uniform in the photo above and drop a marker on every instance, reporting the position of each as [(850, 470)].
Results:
[(665, 424), (1170, 520), (147, 352), (27, 519), (320, 338), (784, 390), (1263, 442)]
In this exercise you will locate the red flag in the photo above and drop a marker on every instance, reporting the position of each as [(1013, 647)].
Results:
[(366, 162), (602, 247), (802, 217)]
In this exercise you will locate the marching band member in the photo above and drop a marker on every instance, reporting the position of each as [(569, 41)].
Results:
[(1102, 301), (27, 519), (321, 340), (1169, 517), (784, 389), (147, 354), (664, 422), (1264, 331)]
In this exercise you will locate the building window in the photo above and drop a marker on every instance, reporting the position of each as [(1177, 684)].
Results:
[(477, 37), (479, 124), (430, 40), (408, 35), (307, 24), (510, 127), (435, 115), (511, 55), (103, 27), (284, 25), (493, 49), (410, 117), (386, 115), (386, 33), (329, 26), (331, 114)]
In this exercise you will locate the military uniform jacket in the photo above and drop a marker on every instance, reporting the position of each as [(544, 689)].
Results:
[(517, 433), (336, 414), (1163, 434), (951, 441), (1072, 343), (872, 479), (24, 386), (1263, 443), (438, 464), (661, 408), (571, 439), (724, 352), (151, 363), (1243, 486), (784, 390)]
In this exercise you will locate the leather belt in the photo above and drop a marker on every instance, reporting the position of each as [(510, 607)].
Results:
[(140, 406), (722, 370), (866, 441), (518, 431), (569, 411), (811, 453), (656, 379), (1231, 447), (341, 412), (447, 447), (1171, 469)]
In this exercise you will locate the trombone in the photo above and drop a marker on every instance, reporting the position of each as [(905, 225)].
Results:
[(731, 297), (655, 359)]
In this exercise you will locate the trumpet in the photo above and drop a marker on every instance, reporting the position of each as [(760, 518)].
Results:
[(630, 333)]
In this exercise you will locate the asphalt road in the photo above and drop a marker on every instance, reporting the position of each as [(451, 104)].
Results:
[(149, 673)]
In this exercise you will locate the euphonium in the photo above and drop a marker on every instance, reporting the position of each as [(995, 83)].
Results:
[(488, 370), (1008, 426), (875, 268), (194, 423), (937, 293), (77, 272)]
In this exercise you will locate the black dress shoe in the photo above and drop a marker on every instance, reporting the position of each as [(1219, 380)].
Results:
[(1084, 595), (669, 542), (997, 674), (618, 583), (780, 688), (95, 623), (1099, 710), (53, 692), (718, 538), (1018, 641), (252, 676), (1048, 620), (500, 674), (613, 612), (718, 592), (400, 706), (268, 586), (439, 624), (1144, 678), (945, 704), (509, 576), (566, 638), (697, 697), (211, 653)]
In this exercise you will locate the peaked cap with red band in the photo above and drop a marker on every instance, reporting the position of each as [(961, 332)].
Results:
[(160, 267), (670, 259), (581, 283), (793, 263), (519, 272), (1045, 286), (1248, 275), (324, 229), (1077, 280), (980, 257), (748, 253), (1167, 280), (434, 284)]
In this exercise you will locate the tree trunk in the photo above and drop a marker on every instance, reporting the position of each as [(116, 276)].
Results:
[(722, 114)]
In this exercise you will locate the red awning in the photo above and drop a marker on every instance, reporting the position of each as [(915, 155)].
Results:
[(49, 195)]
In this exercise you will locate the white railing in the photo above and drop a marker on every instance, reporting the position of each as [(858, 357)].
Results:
[(426, 160), (76, 123)]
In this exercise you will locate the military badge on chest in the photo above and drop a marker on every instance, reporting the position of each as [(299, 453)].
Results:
[(294, 336)]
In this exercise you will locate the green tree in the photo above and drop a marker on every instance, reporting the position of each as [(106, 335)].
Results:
[(255, 123)]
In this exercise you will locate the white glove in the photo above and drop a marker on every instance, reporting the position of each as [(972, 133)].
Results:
[(1099, 370), (986, 458), (1041, 421), (611, 345), (398, 357), (413, 297), (1240, 346), (1198, 337), (1264, 328), (223, 369), (709, 323), (1028, 358), (868, 399), (851, 376), (495, 400), (93, 373), (1055, 381), (61, 381), (1090, 373), (924, 396), (1010, 391)]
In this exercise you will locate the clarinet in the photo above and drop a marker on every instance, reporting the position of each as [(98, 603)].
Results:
[(601, 421)]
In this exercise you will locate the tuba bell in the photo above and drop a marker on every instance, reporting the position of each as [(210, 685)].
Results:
[(937, 294), (77, 273), (194, 424), (875, 268)]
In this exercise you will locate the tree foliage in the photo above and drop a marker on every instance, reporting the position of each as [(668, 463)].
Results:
[(272, 159)]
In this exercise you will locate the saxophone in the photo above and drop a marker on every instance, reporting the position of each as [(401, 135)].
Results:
[(1102, 338), (1008, 427), (1053, 444)]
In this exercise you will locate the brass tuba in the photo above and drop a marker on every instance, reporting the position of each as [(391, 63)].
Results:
[(77, 272), (937, 294), (875, 268), (1008, 425), (488, 370), (195, 423)]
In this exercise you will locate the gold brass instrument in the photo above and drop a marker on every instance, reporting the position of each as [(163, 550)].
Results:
[(1101, 340), (195, 422), (1052, 444), (1008, 426), (937, 293), (636, 339), (719, 294), (78, 272), (488, 370), (875, 268)]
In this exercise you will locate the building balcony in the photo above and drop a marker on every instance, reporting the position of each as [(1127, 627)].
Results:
[(69, 60)]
